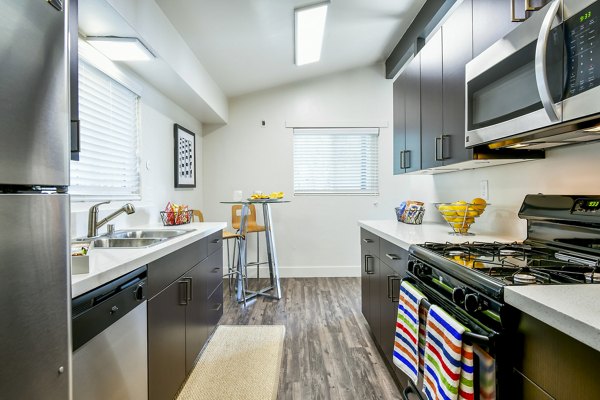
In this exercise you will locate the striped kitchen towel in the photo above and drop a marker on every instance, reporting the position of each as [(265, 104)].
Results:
[(487, 374), (448, 373), (406, 342)]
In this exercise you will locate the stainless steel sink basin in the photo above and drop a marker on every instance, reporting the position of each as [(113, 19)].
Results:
[(149, 233), (125, 243)]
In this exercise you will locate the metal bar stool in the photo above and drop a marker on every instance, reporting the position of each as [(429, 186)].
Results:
[(232, 268), (251, 227)]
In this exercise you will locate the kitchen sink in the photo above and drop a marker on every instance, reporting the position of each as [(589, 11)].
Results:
[(134, 238), (125, 242), (142, 234)]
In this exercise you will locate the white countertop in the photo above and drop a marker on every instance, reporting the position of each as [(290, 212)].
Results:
[(404, 235), (572, 309), (109, 264)]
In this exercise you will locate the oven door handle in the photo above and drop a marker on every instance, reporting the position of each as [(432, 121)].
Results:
[(541, 71)]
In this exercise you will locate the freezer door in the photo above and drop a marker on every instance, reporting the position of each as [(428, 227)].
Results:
[(35, 318), (34, 112)]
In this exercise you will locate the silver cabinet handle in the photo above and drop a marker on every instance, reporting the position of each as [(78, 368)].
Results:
[(541, 75), (367, 259), (438, 156), (513, 14), (407, 159), (439, 148), (183, 293), (393, 257), (368, 240), (444, 138), (402, 163)]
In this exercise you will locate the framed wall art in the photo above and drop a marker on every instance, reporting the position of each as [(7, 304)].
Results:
[(185, 157)]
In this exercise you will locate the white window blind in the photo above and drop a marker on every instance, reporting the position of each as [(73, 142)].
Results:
[(336, 161), (108, 167)]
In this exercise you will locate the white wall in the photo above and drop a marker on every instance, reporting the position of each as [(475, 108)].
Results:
[(157, 116), (318, 235)]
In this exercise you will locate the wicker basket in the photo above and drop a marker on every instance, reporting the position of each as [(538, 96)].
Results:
[(170, 218)]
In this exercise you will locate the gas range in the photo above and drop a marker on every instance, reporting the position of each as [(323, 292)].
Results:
[(562, 247)]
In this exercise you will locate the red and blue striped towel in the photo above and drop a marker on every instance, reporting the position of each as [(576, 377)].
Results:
[(487, 374), (409, 342), (448, 373)]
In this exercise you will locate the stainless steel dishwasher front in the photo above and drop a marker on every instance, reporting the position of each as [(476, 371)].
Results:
[(110, 356)]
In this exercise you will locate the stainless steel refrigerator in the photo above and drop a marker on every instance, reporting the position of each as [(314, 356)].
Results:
[(35, 337)]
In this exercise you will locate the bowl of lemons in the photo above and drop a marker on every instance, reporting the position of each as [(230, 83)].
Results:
[(460, 215)]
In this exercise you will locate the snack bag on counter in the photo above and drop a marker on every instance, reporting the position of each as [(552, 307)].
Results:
[(410, 212)]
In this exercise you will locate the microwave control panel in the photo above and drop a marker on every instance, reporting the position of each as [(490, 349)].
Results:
[(583, 50)]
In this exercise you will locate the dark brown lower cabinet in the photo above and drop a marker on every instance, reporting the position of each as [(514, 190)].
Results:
[(181, 317), (382, 270), (166, 342), (196, 324), (554, 364)]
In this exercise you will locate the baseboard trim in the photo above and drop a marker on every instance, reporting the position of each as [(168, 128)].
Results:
[(309, 271)]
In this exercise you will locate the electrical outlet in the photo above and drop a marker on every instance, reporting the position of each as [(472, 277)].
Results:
[(484, 190)]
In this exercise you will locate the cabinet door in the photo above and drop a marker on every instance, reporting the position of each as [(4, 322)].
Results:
[(491, 21), (389, 289), (374, 297), (214, 310), (364, 285), (166, 341), (457, 36), (412, 155), (196, 329), (431, 101), (399, 124)]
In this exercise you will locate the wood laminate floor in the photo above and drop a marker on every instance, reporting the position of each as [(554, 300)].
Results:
[(328, 350)]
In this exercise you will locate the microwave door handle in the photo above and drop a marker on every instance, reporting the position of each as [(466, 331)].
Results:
[(541, 75)]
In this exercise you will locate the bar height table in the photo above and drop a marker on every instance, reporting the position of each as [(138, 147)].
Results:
[(245, 295)]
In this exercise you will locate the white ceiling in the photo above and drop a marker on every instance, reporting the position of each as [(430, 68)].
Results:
[(248, 45)]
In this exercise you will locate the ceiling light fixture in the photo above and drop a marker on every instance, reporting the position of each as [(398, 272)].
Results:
[(121, 48), (309, 31)]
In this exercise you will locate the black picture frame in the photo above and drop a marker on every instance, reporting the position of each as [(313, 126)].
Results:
[(184, 157)]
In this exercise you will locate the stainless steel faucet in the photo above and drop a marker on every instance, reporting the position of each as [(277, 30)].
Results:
[(94, 224)]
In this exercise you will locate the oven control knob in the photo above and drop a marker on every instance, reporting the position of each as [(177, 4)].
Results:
[(423, 270), (472, 302), (458, 295), (411, 265)]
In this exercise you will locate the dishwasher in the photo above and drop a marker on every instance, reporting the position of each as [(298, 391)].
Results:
[(110, 355)]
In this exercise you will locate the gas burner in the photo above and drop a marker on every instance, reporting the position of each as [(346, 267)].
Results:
[(509, 252), (592, 277), (523, 279)]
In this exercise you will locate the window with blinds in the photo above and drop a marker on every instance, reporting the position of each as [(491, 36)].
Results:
[(108, 167), (336, 161)]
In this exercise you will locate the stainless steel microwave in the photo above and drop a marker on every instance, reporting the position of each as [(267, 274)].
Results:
[(539, 86)]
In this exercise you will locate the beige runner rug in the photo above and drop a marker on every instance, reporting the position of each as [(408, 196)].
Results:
[(239, 362)]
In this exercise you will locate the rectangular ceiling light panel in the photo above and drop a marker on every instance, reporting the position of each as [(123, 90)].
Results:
[(310, 28), (121, 48)]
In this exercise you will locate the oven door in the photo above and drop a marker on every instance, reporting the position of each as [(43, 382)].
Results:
[(486, 376), (516, 85)]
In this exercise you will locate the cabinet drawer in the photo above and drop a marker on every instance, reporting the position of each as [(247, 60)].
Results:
[(369, 243), (213, 272), (167, 269), (393, 256), (214, 308), (215, 242)]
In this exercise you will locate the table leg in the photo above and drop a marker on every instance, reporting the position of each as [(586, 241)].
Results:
[(241, 267), (271, 252)]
